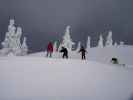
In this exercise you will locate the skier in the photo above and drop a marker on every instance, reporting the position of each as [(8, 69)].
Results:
[(65, 52), (83, 52), (49, 49)]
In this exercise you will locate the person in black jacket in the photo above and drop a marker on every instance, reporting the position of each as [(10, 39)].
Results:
[(83, 53), (65, 52)]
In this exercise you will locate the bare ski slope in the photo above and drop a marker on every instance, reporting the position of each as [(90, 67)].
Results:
[(38, 78)]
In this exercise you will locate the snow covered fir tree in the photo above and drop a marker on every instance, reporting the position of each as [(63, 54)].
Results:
[(12, 42), (67, 41), (78, 46), (24, 47), (88, 43), (109, 41), (100, 42)]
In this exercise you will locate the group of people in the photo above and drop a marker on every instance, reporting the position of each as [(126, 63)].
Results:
[(64, 51)]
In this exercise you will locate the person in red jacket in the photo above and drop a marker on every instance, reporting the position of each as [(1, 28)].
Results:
[(49, 49)]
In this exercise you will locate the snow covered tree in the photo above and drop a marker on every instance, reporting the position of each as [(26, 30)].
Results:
[(100, 42), (9, 37), (115, 44), (67, 41), (88, 43), (109, 41), (24, 47), (16, 47), (78, 46), (9, 41), (18, 36), (55, 46), (12, 43)]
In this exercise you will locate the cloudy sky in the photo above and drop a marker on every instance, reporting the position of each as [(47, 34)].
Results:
[(45, 20)]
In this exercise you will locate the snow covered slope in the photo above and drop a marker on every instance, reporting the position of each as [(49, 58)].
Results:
[(104, 55), (39, 78)]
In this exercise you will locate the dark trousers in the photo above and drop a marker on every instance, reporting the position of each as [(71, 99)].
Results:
[(65, 56), (83, 57)]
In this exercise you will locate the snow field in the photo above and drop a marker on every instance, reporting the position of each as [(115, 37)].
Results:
[(39, 78)]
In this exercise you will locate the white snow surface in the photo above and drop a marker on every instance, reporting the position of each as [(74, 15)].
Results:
[(40, 78)]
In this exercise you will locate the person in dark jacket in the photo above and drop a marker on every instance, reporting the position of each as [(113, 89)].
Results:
[(83, 53), (65, 52), (49, 49)]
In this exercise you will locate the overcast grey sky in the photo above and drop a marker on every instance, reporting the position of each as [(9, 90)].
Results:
[(44, 20)]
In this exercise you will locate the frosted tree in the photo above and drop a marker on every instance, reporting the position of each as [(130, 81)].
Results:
[(88, 43), (18, 36), (109, 41), (115, 44), (12, 43), (16, 45), (9, 41), (67, 41), (100, 42), (55, 46), (78, 46), (24, 47)]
